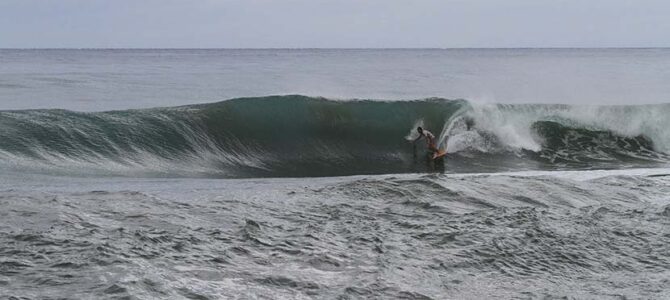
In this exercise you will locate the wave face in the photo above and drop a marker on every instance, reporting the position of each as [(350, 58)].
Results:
[(303, 136)]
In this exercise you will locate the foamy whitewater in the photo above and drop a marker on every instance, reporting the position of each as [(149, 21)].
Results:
[(235, 174)]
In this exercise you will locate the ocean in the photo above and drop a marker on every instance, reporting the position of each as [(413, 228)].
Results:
[(290, 174)]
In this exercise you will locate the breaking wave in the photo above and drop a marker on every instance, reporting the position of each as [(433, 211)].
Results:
[(305, 136)]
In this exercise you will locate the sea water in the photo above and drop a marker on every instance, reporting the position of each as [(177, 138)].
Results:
[(209, 174)]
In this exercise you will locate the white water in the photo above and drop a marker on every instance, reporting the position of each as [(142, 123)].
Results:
[(512, 124)]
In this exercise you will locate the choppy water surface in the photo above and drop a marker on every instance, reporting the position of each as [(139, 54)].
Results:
[(115, 183), (413, 236)]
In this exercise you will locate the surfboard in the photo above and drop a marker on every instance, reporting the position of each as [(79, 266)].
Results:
[(439, 154)]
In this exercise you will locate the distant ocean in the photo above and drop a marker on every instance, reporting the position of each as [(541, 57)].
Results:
[(208, 174)]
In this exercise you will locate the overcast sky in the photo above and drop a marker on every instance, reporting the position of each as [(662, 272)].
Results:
[(333, 23)]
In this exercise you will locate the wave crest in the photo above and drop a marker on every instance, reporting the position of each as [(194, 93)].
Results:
[(304, 136)]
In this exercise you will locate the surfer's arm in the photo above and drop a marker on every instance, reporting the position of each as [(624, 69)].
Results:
[(416, 139)]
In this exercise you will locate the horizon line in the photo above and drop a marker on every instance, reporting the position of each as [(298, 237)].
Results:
[(326, 48)]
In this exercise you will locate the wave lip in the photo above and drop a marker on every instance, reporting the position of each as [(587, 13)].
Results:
[(299, 136)]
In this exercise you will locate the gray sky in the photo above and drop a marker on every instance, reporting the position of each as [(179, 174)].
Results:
[(333, 23)]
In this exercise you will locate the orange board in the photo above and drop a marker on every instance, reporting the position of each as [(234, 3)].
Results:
[(439, 154)]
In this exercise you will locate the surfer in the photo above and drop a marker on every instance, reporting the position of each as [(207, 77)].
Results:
[(430, 139)]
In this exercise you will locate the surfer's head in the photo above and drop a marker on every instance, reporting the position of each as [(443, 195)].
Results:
[(420, 130)]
